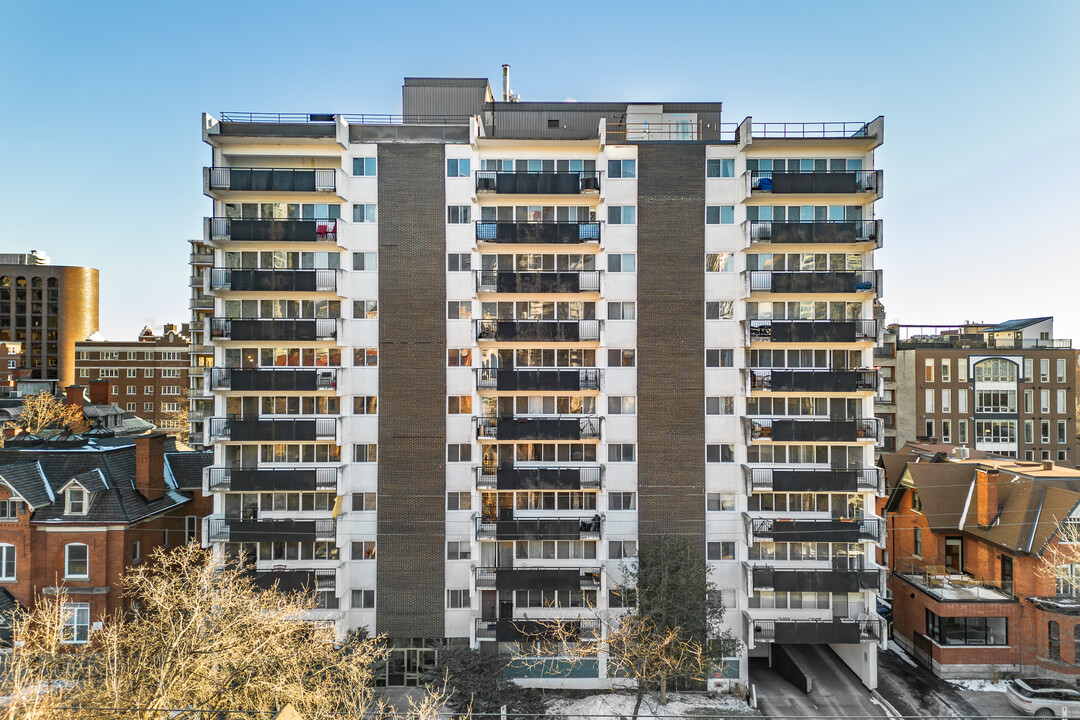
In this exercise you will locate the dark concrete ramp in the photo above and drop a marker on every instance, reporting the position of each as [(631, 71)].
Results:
[(835, 691)]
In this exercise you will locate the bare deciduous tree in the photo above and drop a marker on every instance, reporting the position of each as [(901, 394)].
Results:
[(1060, 559), (45, 411), (201, 636)]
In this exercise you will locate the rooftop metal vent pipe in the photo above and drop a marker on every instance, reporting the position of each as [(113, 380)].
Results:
[(506, 83)]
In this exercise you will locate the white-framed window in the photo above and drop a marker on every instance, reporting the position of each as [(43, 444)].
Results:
[(364, 501), (459, 405), (720, 502), (946, 431), (946, 369), (929, 404), (720, 262), (621, 452), (132, 372), (82, 355), (1044, 401), (7, 562), (148, 372), (621, 405), (1062, 434), (365, 452), (132, 389), (1029, 401), (625, 310), (457, 599), (148, 407), (1028, 369), (622, 501), (364, 166), (962, 400), (365, 309), (76, 560), (458, 214), (459, 357), (719, 214), (75, 501), (459, 500), (621, 215), (115, 390), (929, 370), (1044, 369), (84, 373), (619, 549), (148, 389), (458, 167), (1061, 404), (170, 407), (365, 213), (459, 310), (961, 370), (1044, 431), (9, 510), (170, 389), (458, 262), (363, 550), (365, 261), (109, 373), (622, 169), (722, 550), (76, 623), (720, 168), (720, 310), (458, 550), (363, 599), (170, 372), (1029, 431), (365, 357), (1059, 373), (720, 405), (365, 405), (136, 552), (720, 453), (961, 431), (946, 399), (622, 262), (131, 407), (459, 452)]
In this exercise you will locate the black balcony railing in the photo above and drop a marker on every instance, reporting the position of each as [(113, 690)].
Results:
[(538, 182), (241, 429), (273, 480), (237, 530), (817, 632), (514, 629), (494, 281), (291, 581), (813, 331), (269, 180), (538, 233), (812, 429), (814, 183), (823, 530), (537, 529), (860, 281), (537, 578), (273, 330), (814, 480), (766, 577), (537, 330), (526, 379), (284, 379), (565, 427), (822, 231), (243, 280), (772, 380), (247, 230), (557, 478)]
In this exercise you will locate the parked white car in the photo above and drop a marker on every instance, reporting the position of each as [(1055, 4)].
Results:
[(1043, 697)]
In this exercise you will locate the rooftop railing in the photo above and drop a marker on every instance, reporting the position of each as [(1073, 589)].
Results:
[(695, 130), (351, 118), (810, 130)]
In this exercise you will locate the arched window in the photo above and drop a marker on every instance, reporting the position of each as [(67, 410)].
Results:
[(1053, 640), (995, 370), (76, 561), (7, 562)]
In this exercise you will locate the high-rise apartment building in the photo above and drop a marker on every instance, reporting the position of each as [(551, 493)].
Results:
[(1007, 388), (468, 360), (47, 309)]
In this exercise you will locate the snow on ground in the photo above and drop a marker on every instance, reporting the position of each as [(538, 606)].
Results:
[(981, 685), (901, 654), (679, 705)]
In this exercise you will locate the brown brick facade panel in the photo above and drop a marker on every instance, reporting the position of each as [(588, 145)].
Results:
[(671, 341), (412, 390)]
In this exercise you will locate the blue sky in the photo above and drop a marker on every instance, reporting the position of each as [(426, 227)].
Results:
[(102, 102)]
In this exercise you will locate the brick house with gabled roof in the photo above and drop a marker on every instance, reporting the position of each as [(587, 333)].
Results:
[(966, 544), (75, 515)]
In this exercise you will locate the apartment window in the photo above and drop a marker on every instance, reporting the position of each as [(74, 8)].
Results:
[(7, 562), (148, 389), (170, 389), (84, 373), (720, 405), (458, 167), (364, 166), (1044, 431), (622, 501), (132, 390), (459, 310), (459, 452), (962, 400), (946, 400), (457, 599), (720, 168), (364, 501), (363, 550), (136, 552), (720, 358), (366, 357), (929, 429), (362, 213), (148, 373), (621, 311), (1027, 369), (109, 373), (115, 390), (719, 214), (621, 358), (929, 371), (621, 452), (621, 215), (458, 501), (720, 262), (622, 168), (946, 369), (723, 550), (624, 262), (946, 431), (1029, 431), (459, 357), (929, 404), (621, 405), (365, 309), (76, 560), (131, 407), (1044, 401), (1044, 369), (170, 372), (723, 453), (1061, 432), (76, 623), (620, 549), (458, 214), (458, 262), (365, 405), (967, 630), (720, 310), (961, 431), (458, 550), (917, 540), (363, 599), (365, 452), (961, 370), (1059, 373), (132, 373), (1029, 401), (459, 405), (1061, 401), (365, 261), (1053, 640), (720, 502), (75, 498)]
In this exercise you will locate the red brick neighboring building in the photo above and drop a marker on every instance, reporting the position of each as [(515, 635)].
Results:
[(148, 377), (76, 513), (967, 545), (12, 366)]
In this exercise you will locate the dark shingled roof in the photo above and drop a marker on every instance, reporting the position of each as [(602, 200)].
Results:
[(1030, 512), (943, 490), (187, 468), (28, 481), (92, 480), (894, 466)]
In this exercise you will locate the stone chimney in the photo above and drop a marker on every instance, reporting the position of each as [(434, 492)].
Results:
[(99, 392), (986, 496), (150, 465), (75, 395)]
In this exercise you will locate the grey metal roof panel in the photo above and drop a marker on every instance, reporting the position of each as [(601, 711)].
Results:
[(446, 82)]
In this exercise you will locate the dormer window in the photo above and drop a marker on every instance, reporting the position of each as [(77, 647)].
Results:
[(76, 501)]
